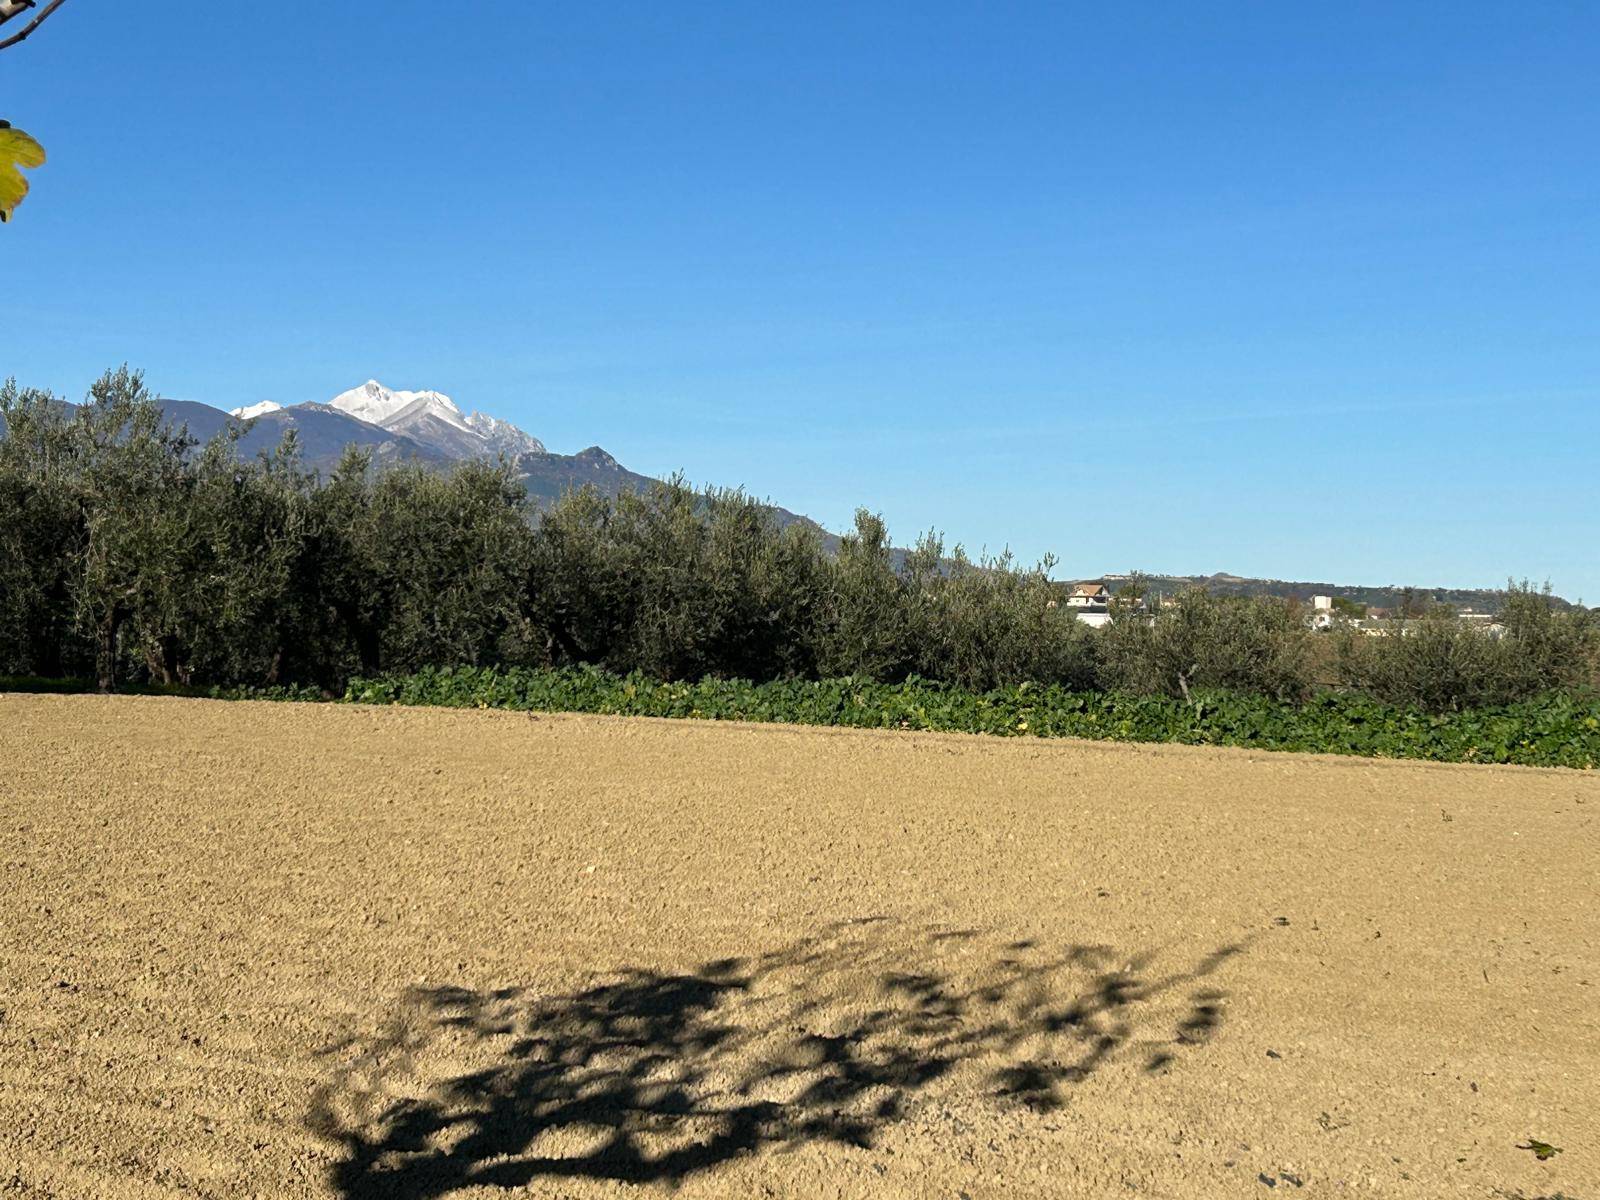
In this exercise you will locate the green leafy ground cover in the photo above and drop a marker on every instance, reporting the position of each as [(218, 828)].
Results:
[(1551, 731)]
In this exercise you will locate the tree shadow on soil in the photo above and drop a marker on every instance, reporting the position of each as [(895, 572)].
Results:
[(652, 1076)]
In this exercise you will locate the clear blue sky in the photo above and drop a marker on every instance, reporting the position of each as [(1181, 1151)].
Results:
[(1275, 289)]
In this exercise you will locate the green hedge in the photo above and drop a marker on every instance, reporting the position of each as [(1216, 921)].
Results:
[(69, 686), (1554, 730)]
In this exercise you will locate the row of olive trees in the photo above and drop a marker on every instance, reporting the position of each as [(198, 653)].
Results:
[(1440, 662), (1434, 660), (126, 550), (682, 584), (129, 552)]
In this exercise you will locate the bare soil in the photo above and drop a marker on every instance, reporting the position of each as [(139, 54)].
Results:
[(285, 950)]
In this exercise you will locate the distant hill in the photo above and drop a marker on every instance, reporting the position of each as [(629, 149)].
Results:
[(1465, 600)]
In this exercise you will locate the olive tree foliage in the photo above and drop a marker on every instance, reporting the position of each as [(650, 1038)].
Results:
[(240, 613), (1442, 663), (660, 579), (42, 537), (987, 624), (1256, 644), (866, 627), (118, 543), (406, 568), (1555, 650), (449, 557), (128, 551), (770, 583), (134, 490), (675, 582)]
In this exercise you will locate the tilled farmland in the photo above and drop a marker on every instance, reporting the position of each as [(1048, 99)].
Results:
[(254, 949)]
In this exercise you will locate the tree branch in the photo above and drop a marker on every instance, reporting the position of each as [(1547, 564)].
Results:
[(16, 9)]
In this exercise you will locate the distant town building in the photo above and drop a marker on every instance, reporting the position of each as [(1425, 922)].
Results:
[(1089, 595), (1090, 602)]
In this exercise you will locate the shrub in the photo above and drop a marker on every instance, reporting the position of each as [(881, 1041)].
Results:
[(1203, 641), (988, 625), (866, 619), (1443, 663), (675, 582), (1548, 650), (42, 534)]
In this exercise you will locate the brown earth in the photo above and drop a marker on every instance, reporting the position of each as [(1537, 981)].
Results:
[(283, 950)]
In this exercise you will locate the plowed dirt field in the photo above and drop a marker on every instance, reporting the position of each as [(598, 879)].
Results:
[(298, 950)]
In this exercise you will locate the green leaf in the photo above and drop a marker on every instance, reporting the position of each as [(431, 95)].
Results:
[(17, 149), (1541, 1150)]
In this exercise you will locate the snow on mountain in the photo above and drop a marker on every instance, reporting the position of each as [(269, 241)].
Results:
[(378, 405), (254, 410), (433, 419), (504, 437)]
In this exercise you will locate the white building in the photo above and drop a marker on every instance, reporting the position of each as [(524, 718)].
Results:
[(1089, 595)]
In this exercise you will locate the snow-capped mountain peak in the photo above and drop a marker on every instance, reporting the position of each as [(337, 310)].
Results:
[(433, 419), (378, 405), (254, 410)]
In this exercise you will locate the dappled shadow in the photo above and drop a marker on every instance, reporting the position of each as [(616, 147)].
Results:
[(650, 1075)]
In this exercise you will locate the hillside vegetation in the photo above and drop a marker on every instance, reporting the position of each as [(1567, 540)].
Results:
[(131, 554)]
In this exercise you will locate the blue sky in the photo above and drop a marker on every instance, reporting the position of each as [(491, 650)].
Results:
[(1306, 292)]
